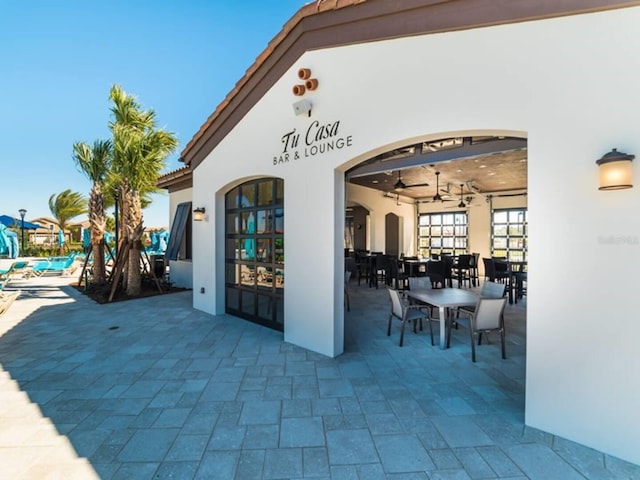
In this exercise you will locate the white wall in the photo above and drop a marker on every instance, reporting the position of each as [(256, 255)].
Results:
[(570, 86)]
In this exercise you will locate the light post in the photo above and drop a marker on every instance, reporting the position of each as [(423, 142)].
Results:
[(22, 213)]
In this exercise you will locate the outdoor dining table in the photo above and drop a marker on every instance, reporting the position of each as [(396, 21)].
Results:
[(415, 267), (444, 299)]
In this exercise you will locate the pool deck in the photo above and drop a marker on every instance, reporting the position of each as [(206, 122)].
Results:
[(152, 388)]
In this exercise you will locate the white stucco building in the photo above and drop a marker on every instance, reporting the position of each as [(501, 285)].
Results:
[(562, 77)]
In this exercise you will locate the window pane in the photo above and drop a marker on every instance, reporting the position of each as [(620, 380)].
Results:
[(233, 198), (516, 216), (264, 276), (265, 193), (279, 250), (233, 223), (279, 305), (516, 229), (248, 196), (248, 302), (436, 219), (500, 217), (279, 213), (500, 230), (516, 243), (263, 224), (248, 275), (279, 191), (232, 273), (279, 278), (499, 243), (247, 247), (460, 243), (233, 299), (264, 250), (265, 307)]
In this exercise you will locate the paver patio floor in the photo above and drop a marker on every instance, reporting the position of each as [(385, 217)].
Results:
[(176, 393)]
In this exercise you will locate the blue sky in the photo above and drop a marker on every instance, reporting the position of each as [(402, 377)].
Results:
[(58, 60)]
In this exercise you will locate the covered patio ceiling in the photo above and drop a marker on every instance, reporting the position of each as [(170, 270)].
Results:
[(466, 166)]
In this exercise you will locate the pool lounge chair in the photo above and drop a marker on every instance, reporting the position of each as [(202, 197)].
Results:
[(6, 299), (56, 267), (20, 268)]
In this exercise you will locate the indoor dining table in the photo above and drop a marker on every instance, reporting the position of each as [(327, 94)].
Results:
[(444, 299)]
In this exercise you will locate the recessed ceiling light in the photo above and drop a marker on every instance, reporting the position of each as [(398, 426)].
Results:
[(491, 174), (482, 166), (375, 181)]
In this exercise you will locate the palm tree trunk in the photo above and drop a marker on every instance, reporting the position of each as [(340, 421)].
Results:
[(99, 274), (134, 277), (98, 225), (125, 227)]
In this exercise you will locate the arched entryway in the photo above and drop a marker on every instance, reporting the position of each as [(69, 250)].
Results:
[(254, 252)]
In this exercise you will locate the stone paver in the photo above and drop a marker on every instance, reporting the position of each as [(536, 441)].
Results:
[(176, 393)]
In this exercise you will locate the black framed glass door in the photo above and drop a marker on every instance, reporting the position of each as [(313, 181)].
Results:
[(254, 252)]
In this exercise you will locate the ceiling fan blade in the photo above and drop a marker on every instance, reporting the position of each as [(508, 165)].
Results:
[(522, 194), (417, 185)]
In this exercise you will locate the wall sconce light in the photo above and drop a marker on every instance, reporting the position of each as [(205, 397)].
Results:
[(615, 170), (198, 214), (301, 107)]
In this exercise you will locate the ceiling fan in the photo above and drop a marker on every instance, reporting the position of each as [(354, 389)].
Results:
[(437, 197), (462, 204), (400, 185)]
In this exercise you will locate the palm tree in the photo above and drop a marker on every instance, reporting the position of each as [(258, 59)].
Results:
[(65, 206), (95, 163), (140, 150)]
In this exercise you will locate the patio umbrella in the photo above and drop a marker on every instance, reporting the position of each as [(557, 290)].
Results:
[(9, 221), (14, 245), (163, 240), (60, 238), (4, 240), (86, 238), (8, 242), (154, 241)]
